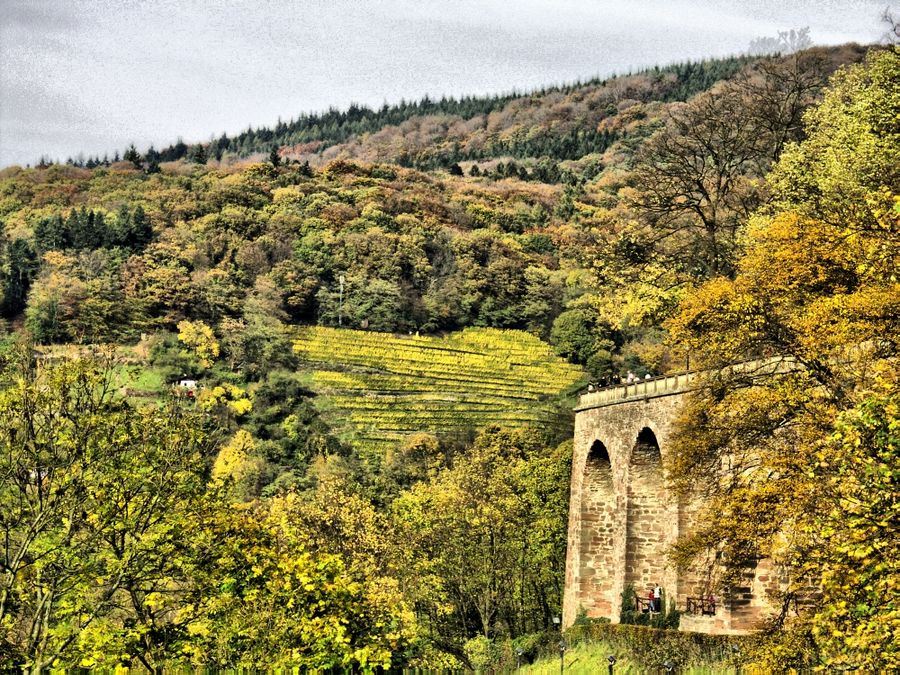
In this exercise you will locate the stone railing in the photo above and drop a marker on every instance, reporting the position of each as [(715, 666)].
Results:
[(667, 385)]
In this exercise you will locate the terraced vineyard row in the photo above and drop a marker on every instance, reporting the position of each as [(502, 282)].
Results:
[(376, 388)]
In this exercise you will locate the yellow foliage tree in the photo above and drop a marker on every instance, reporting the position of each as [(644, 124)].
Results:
[(200, 339), (237, 463), (817, 284), (226, 399)]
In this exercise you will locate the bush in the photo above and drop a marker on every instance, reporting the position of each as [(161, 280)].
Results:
[(480, 652), (533, 645), (582, 619), (505, 655)]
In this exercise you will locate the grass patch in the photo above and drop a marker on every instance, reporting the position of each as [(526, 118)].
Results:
[(641, 649)]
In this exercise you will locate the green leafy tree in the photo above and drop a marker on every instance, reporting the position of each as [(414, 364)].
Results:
[(152, 158), (133, 156), (487, 540), (95, 499), (87, 228), (578, 334), (54, 299), (274, 157), (372, 304), (51, 234), (19, 268), (197, 154)]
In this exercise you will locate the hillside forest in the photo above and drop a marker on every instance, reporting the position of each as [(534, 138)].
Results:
[(302, 397)]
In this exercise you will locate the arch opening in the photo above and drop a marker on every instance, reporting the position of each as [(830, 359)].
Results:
[(598, 505), (646, 529)]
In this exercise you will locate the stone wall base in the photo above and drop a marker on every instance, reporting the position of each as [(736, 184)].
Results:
[(711, 625)]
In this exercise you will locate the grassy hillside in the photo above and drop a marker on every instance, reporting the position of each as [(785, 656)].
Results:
[(376, 388)]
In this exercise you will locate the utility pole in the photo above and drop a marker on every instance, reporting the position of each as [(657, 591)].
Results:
[(341, 305)]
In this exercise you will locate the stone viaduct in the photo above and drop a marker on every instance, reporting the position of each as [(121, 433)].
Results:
[(622, 519)]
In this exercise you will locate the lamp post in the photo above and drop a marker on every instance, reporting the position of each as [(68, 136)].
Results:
[(562, 655), (611, 660), (737, 655)]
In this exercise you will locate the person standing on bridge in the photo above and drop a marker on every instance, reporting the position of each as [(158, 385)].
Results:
[(657, 598)]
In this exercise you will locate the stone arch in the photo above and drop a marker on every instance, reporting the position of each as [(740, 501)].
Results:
[(645, 527), (598, 510)]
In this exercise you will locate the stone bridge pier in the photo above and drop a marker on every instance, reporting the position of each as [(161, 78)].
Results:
[(622, 519)]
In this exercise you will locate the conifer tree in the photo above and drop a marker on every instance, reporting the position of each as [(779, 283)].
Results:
[(133, 156)]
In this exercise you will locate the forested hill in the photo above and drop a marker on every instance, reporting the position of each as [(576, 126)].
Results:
[(545, 127), (535, 244), (315, 133)]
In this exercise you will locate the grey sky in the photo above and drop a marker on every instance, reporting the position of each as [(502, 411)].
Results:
[(92, 76)]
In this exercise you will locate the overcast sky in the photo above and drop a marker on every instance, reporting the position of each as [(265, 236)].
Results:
[(92, 76)]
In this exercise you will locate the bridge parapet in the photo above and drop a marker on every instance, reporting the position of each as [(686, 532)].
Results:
[(656, 386), (667, 385)]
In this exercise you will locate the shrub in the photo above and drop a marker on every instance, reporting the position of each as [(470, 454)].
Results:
[(480, 652)]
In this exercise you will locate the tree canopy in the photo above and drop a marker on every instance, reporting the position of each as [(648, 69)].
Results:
[(817, 284)]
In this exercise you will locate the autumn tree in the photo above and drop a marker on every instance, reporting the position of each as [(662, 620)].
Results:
[(238, 467), (264, 600), (486, 540), (699, 178), (54, 299), (118, 552), (695, 181), (816, 288), (858, 518), (778, 91), (200, 340)]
